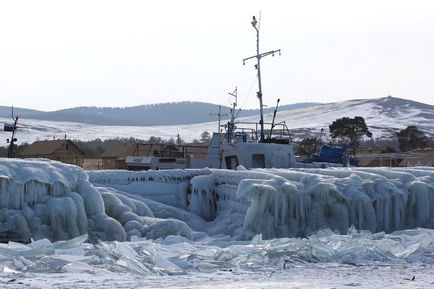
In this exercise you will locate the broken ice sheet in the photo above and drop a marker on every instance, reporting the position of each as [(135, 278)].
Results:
[(133, 266), (167, 266), (13, 249), (72, 243), (78, 267)]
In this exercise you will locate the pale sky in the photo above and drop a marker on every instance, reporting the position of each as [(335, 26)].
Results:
[(60, 54)]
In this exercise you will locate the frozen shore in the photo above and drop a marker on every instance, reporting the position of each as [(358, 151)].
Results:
[(258, 228)]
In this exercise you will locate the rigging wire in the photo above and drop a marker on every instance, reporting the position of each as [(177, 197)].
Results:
[(249, 93)]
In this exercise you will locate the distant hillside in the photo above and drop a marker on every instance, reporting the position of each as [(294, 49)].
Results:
[(6, 111), (384, 117), (143, 115)]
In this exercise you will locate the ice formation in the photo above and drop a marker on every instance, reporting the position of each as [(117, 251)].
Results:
[(293, 202), (175, 255), (46, 199)]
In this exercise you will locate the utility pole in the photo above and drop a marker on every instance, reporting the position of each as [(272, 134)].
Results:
[(65, 148), (219, 114), (258, 57), (12, 127)]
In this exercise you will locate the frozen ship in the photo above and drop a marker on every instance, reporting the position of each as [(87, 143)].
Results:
[(247, 144)]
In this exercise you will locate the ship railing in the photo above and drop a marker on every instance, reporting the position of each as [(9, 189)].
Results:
[(249, 132)]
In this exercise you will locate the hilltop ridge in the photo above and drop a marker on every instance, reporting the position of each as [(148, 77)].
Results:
[(173, 113)]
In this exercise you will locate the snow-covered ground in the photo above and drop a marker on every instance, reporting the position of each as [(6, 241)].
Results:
[(32, 130), (298, 228), (383, 116)]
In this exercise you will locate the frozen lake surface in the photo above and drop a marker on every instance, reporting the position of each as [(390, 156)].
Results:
[(325, 260), (298, 228)]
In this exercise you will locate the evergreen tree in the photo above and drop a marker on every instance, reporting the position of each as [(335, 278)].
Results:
[(205, 137), (411, 138), (349, 130)]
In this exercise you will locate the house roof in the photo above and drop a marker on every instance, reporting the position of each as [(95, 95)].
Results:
[(426, 154), (45, 147), (369, 150), (119, 150), (424, 151), (122, 150)]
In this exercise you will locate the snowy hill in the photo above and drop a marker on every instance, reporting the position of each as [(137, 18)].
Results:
[(173, 113), (383, 116)]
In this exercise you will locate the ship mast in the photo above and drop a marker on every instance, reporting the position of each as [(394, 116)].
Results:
[(258, 57), (231, 123), (219, 114)]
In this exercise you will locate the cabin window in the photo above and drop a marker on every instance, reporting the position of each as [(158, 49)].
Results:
[(231, 162), (167, 160), (258, 161), (66, 147)]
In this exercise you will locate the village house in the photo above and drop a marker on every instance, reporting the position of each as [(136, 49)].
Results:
[(65, 151), (115, 155), (377, 157), (384, 157), (419, 157)]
